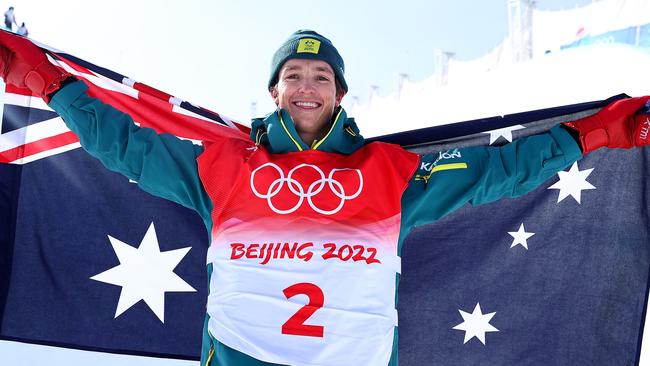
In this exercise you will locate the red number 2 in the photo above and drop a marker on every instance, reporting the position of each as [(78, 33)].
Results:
[(296, 324)]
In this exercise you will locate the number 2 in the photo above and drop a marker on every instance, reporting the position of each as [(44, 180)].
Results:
[(296, 324)]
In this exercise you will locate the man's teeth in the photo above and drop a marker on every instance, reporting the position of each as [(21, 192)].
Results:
[(307, 104)]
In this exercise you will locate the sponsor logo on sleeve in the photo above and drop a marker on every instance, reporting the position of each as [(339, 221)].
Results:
[(442, 155), (645, 126)]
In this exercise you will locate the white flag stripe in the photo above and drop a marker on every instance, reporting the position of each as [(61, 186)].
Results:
[(41, 45), (128, 81), (228, 121), (180, 110), (100, 81), (26, 101), (45, 154), (175, 101), (31, 133)]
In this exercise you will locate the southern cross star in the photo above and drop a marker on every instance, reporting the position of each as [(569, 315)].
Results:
[(520, 237), (505, 132), (572, 183)]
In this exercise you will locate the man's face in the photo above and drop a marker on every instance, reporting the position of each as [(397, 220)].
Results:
[(307, 90)]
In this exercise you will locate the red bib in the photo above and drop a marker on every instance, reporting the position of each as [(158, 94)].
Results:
[(304, 251)]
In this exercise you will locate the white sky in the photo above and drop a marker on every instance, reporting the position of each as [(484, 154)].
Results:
[(217, 53)]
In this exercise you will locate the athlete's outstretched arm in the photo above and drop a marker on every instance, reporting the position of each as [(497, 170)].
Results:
[(480, 175), (161, 164), (445, 182)]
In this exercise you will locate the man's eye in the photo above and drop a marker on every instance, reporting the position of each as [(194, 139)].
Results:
[(291, 76), (323, 78)]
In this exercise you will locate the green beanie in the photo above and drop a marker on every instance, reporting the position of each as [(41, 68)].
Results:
[(307, 44)]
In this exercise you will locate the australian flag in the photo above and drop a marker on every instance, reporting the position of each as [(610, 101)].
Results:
[(556, 277), (67, 225), (89, 261)]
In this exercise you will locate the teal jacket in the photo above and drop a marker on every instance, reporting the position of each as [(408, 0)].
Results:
[(166, 166)]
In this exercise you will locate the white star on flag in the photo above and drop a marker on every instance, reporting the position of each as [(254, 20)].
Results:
[(505, 132), (145, 273), (520, 237), (476, 324), (572, 183)]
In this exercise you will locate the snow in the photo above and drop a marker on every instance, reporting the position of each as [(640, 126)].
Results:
[(574, 75)]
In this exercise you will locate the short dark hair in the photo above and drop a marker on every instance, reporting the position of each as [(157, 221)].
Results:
[(339, 88)]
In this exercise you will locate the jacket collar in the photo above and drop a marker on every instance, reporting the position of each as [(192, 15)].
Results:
[(278, 134)]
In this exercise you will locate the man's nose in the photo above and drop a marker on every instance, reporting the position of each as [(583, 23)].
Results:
[(307, 85)]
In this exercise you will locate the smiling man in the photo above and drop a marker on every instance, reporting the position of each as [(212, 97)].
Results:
[(306, 220), (306, 89), (307, 81)]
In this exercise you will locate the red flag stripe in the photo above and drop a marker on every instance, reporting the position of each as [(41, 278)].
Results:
[(152, 91), (39, 146), (9, 88)]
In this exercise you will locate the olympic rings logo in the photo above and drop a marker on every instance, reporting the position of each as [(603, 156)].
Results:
[(299, 190)]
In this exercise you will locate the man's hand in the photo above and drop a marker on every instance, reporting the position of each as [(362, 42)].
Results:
[(621, 124), (24, 65)]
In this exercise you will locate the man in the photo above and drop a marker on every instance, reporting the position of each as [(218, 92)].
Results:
[(293, 212), (10, 18), (22, 30)]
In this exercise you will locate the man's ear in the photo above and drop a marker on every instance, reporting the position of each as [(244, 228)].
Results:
[(274, 94), (339, 97)]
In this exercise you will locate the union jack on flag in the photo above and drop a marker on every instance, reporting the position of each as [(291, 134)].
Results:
[(30, 130)]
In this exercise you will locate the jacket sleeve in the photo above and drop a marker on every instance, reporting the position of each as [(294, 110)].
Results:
[(446, 181), (162, 164)]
